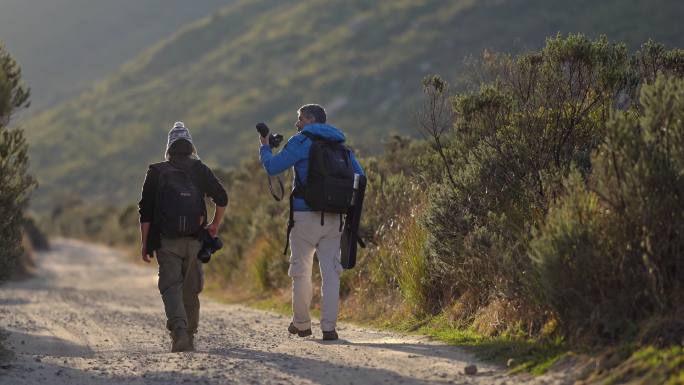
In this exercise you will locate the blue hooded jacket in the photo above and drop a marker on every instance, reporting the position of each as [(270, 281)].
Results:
[(296, 153)]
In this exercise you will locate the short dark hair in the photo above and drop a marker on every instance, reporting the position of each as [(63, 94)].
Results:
[(181, 148), (315, 111)]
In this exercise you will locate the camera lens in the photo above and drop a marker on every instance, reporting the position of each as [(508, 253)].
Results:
[(218, 244), (204, 255), (274, 140)]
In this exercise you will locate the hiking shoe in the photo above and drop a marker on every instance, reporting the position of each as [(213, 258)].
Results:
[(180, 341), (302, 333), (330, 336)]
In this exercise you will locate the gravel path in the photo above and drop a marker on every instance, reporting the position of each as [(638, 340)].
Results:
[(91, 318)]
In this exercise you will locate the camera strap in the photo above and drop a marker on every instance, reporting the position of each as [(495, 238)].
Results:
[(282, 189), (290, 223)]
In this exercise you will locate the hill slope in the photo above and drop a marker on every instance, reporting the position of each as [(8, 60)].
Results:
[(260, 60), (64, 45)]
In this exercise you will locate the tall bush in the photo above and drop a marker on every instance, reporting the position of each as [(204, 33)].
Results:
[(14, 179), (612, 251), (513, 142)]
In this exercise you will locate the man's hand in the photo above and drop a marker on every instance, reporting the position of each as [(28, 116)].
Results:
[(212, 229), (145, 256), (144, 232)]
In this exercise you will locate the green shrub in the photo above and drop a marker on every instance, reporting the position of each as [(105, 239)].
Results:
[(15, 183), (610, 252), (513, 142), (653, 59), (575, 261)]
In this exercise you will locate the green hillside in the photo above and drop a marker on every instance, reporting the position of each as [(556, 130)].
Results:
[(64, 45), (260, 60)]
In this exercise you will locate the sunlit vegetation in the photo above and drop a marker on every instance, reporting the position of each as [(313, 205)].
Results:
[(541, 214), (259, 60)]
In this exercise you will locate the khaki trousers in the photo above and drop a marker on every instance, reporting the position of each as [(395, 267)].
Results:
[(307, 237), (180, 281)]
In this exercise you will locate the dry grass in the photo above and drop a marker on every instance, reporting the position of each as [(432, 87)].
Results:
[(495, 318)]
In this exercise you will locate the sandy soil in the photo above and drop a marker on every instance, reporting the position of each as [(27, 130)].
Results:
[(89, 317)]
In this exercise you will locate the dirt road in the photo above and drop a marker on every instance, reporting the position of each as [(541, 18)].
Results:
[(92, 318)]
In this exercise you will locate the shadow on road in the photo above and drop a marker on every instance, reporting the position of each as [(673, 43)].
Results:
[(57, 374), (424, 350), (23, 342), (13, 301), (321, 372)]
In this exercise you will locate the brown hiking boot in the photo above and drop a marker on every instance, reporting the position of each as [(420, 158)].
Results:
[(180, 341), (330, 336), (302, 333)]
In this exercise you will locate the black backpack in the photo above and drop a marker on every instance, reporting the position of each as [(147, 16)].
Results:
[(179, 209), (330, 183)]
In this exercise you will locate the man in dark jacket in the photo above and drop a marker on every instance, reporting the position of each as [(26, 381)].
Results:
[(310, 233), (180, 273)]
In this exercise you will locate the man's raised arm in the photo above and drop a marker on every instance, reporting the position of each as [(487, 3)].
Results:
[(286, 158)]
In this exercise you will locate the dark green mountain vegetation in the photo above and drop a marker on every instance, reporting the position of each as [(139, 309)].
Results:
[(260, 60), (541, 213), (63, 46), (15, 182)]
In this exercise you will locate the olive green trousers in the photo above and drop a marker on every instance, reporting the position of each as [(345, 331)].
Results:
[(180, 281)]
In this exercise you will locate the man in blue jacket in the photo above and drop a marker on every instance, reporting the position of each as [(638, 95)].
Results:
[(312, 231)]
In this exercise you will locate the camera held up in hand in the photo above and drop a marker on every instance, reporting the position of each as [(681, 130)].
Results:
[(274, 140), (209, 246)]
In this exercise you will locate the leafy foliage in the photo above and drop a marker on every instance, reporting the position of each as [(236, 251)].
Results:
[(15, 183), (611, 251), (514, 141), (536, 120)]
